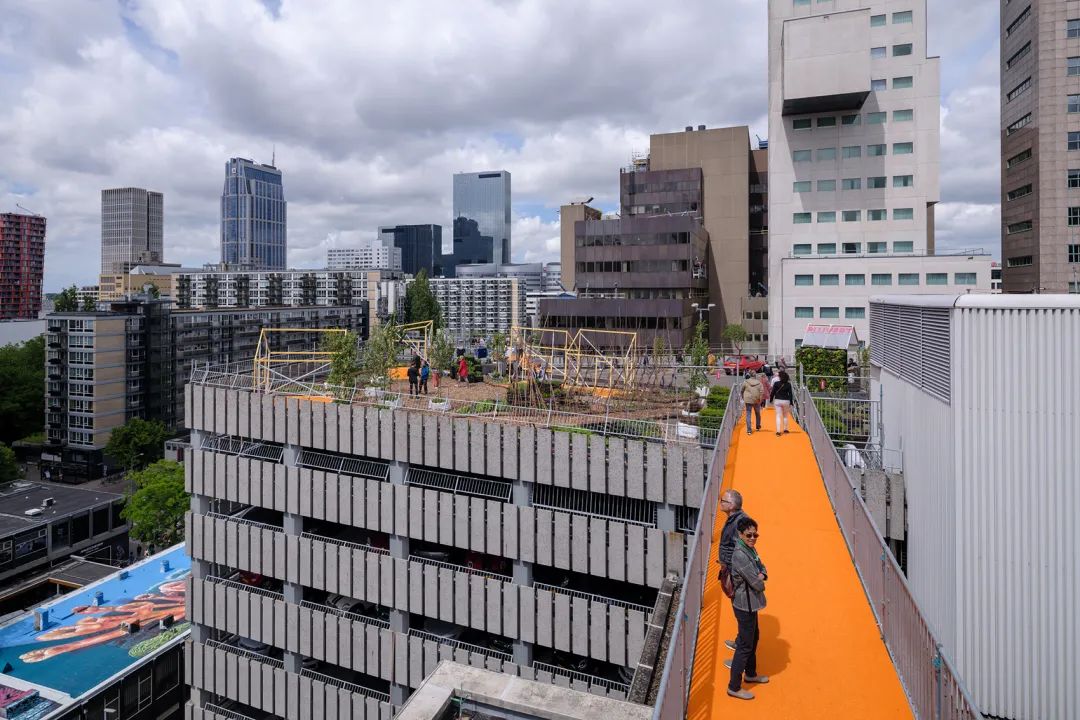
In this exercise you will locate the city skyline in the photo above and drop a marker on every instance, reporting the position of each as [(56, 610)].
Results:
[(344, 183)]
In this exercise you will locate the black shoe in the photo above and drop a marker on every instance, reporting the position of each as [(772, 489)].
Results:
[(758, 427), (785, 432), (777, 434)]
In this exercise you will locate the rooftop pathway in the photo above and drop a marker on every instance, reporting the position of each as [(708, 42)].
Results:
[(819, 640)]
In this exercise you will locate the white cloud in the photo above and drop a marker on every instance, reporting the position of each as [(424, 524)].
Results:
[(373, 106)]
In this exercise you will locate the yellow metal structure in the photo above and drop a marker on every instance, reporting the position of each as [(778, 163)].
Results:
[(602, 361), (417, 337), (299, 364)]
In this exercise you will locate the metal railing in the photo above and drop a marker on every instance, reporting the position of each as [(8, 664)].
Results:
[(242, 448), (459, 645), (225, 712), (344, 464), (459, 484), (460, 568), (665, 430), (344, 543), (235, 650), (674, 691), (592, 680), (346, 685), (244, 587), (376, 622), (244, 521), (934, 689), (629, 510), (590, 596)]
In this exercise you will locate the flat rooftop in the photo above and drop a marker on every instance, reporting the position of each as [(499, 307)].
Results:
[(15, 501), (82, 644)]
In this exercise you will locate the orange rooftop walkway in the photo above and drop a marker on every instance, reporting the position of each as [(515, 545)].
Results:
[(819, 642)]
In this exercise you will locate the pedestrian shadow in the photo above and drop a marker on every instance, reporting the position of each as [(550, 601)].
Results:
[(774, 653)]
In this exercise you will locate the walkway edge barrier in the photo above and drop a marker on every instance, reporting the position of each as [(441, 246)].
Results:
[(674, 690), (934, 689)]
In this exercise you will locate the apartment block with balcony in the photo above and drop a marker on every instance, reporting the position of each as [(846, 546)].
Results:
[(22, 265), (480, 305), (341, 551)]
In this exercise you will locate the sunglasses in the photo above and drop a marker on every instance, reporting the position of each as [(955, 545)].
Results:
[(750, 535)]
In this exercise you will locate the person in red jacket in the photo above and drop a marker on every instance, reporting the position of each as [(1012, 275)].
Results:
[(463, 370)]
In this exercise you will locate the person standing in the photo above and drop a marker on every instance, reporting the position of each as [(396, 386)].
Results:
[(425, 373), (463, 370), (414, 377), (752, 393), (731, 505), (782, 396), (748, 575)]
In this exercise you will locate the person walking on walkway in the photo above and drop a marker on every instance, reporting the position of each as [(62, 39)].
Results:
[(749, 575), (766, 389), (752, 393), (782, 396)]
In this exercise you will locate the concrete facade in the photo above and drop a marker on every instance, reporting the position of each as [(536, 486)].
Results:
[(480, 305), (347, 507), (853, 145), (569, 215), (1040, 140), (372, 256), (132, 228)]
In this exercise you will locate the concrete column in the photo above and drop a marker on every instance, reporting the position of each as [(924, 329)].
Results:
[(199, 633), (292, 524), (200, 504), (523, 573), (399, 621), (398, 694), (199, 569), (521, 493), (293, 593), (291, 456), (399, 547), (398, 471), (523, 653), (665, 518), (293, 662), (196, 439)]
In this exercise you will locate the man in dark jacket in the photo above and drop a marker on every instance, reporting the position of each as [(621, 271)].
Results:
[(731, 504)]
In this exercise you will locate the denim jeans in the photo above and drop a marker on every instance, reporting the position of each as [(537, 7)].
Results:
[(757, 416), (745, 659)]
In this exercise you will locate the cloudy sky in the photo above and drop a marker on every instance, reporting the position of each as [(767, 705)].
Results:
[(372, 106)]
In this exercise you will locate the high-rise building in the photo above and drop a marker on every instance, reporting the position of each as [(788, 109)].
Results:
[(420, 247), (854, 120), (132, 359), (480, 305), (569, 216), (253, 216), (132, 228), (371, 256), (1040, 203), (483, 198), (22, 264)]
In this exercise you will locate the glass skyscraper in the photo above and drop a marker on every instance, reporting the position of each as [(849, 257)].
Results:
[(420, 245), (253, 234), (484, 199), (132, 228)]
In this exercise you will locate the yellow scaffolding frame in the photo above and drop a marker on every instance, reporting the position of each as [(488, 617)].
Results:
[(580, 358), (419, 345), (266, 358)]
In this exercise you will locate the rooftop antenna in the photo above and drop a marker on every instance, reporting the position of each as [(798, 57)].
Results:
[(273, 156)]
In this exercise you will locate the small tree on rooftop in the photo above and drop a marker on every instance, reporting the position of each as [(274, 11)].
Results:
[(380, 354), (344, 366), (67, 300), (88, 304), (420, 302), (696, 351)]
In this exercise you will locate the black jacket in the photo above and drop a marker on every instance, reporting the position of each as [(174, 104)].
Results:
[(783, 391), (728, 535)]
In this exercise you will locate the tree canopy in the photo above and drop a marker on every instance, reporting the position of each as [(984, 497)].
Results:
[(420, 302), (380, 354), (441, 352), (156, 508), (735, 334), (22, 389), (137, 443), (344, 367), (9, 468), (67, 300), (697, 355)]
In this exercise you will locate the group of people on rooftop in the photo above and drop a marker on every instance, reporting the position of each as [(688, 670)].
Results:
[(758, 388)]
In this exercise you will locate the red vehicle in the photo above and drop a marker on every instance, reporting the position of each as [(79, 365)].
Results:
[(739, 364)]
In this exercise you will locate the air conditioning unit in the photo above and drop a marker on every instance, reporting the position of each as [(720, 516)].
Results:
[(32, 512)]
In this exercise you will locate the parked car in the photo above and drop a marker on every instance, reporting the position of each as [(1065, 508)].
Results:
[(738, 364), (348, 604)]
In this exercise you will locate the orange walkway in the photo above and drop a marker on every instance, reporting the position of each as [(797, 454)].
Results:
[(819, 642)]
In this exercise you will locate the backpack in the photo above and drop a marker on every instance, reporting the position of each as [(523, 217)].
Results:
[(727, 582)]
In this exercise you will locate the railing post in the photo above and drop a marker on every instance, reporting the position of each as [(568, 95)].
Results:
[(937, 680)]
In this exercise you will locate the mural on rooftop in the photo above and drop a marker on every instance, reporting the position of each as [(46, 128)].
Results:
[(94, 633)]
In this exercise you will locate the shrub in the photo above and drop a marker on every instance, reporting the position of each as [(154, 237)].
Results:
[(824, 362), (718, 397), (477, 408), (711, 418)]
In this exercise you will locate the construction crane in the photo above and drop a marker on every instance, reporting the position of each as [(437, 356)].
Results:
[(27, 210)]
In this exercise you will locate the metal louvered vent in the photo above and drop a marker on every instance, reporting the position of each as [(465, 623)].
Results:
[(914, 343), (460, 484), (344, 464)]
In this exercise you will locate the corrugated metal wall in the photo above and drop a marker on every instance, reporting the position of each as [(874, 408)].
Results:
[(1017, 397)]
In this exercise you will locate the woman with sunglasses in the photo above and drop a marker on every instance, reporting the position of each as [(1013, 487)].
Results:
[(748, 575)]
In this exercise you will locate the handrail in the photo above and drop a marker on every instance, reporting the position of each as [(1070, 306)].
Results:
[(275, 662), (933, 687), (344, 543), (244, 521), (345, 614), (469, 647), (584, 677), (460, 568), (225, 712), (346, 685), (244, 587), (674, 689), (591, 596)]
